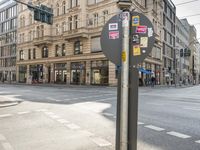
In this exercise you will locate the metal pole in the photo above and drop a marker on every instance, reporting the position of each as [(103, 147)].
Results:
[(133, 108), (124, 82)]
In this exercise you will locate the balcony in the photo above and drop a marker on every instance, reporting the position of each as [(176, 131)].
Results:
[(44, 40), (76, 33)]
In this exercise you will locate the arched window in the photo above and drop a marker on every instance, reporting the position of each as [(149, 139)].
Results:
[(44, 52), (63, 7), (57, 9)]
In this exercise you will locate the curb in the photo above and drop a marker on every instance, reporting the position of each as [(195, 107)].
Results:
[(9, 103)]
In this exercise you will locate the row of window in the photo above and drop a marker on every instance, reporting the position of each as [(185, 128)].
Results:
[(60, 50), (8, 25), (8, 62), (8, 38), (8, 13), (7, 51)]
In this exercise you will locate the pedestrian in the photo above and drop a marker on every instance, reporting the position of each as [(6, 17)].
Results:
[(152, 81)]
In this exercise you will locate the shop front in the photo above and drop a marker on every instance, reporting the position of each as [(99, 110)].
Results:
[(36, 73), (22, 73), (60, 73), (78, 74), (99, 72)]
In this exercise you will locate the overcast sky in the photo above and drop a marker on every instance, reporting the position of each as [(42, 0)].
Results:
[(186, 10)]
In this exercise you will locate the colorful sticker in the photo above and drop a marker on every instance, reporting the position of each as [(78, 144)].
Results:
[(136, 39), (150, 32), (141, 29), (135, 20), (125, 21), (114, 35), (143, 41), (113, 26), (136, 50), (123, 56)]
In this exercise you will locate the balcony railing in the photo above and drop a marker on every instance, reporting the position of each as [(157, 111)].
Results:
[(76, 33), (44, 40)]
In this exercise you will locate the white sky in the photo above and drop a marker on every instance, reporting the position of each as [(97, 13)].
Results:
[(189, 9)]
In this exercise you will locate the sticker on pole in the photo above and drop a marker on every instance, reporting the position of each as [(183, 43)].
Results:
[(113, 26), (141, 29), (135, 20), (136, 50), (114, 35), (111, 39)]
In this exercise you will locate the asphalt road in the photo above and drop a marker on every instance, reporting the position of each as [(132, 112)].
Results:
[(83, 118)]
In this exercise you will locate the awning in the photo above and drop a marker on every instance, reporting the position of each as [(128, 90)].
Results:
[(144, 71)]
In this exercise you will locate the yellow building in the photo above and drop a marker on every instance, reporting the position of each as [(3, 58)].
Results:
[(69, 51)]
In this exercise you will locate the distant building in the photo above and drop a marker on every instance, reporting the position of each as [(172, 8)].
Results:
[(182, 47), (169, 20), (8, 29)]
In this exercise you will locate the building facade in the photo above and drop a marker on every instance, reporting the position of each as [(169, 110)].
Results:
[(169, 20), (182, 59), (8, 40), (194, 54), (69, 51)]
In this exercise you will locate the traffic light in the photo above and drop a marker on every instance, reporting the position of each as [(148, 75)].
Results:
[(181, 52), (43, 14), (187, 52)]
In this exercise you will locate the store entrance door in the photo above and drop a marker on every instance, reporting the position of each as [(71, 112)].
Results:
[(76, 76)]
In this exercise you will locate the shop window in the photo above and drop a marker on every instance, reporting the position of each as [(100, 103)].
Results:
[(77, 47), (96, 46), (44, 52)]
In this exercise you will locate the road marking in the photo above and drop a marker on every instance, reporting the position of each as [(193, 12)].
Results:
[(2, 138), (154, 128), (197, 141), (190, 108), (180, 135), (73, 126), (155, 104), (23, 112), (87, 97), (5, 115), (62, 121), (87, 133), (50, 98), (140, 123), (7, 146), (101, 142)]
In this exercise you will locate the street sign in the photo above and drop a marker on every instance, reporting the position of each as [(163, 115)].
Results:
[(142, 38), (111, 39)]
